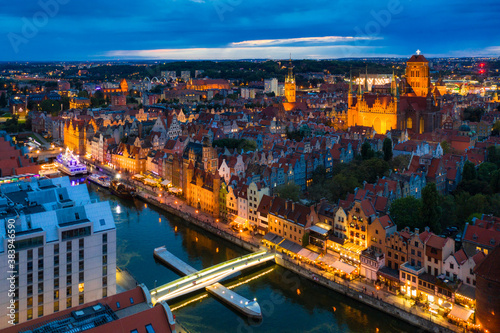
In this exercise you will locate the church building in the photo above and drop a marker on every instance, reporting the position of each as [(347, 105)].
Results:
[(417, 109)]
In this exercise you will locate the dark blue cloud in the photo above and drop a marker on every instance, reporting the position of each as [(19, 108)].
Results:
[(94, 29)]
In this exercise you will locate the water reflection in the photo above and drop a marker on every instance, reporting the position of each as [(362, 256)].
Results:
[(314, 309)]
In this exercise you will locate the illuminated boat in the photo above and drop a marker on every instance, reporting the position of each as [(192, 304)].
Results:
[(70, 164), (100, 180), (120, 190)]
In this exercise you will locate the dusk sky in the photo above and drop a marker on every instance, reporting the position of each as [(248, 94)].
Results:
[(244, 29)]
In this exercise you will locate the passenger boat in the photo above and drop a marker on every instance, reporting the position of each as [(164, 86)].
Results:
[(120, 190), (100, 180), (70, 164)]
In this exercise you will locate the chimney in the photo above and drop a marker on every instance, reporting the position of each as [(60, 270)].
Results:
[(293, 206), (427, 229), (417, 230)]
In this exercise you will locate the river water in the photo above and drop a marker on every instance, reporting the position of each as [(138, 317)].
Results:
[(289, 303)]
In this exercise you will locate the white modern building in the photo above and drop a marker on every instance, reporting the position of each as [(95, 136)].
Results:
[(271, 86), (64, 248)]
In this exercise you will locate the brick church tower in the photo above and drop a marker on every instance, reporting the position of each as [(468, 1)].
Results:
[(417, 75)]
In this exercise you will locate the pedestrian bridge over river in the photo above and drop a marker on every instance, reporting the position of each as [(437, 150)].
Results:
[(208, 276)]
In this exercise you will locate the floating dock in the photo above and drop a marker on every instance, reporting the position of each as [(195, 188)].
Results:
[(249, 308)]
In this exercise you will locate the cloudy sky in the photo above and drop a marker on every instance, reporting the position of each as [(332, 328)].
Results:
[(244, 29)]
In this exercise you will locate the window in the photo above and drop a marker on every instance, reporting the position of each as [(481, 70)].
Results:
[(40, 263), (150, 329), (68, 246), (30, 314), (56, 260), (413, 279), (56, 294), (30, 254), (68, 291), (104, 281), (80, 277), (131, 300), (69, 269), (56, 248), (80, 299), (105, 292), (40, 252), (451, 265), (134, 331), (81, 243), (68, 257), (68, 302), (403, 275), (81, 266), (117, 305), (68, 280), (56, 306)]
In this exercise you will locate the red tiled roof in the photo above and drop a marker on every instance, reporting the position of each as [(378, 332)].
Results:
[(418, 58), (489, 269), (485, 236), (386, 221), (436, 241), (460, 256)]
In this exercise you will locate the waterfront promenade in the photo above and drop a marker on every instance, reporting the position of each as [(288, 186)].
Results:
[(385, 301)]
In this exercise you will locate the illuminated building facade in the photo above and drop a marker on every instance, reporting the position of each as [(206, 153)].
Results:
[(290, 86), (77, 133), (416, 110)]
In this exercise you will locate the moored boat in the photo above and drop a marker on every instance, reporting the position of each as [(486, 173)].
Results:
[(70, 164), (100, 180), (120, 190)]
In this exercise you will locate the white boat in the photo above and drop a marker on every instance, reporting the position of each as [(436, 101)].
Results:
[(100, 180), (70, 164)]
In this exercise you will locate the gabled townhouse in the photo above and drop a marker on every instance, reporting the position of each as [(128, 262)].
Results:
[(291, 220), (255, 192)]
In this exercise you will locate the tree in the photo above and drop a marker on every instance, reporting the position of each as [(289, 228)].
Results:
[(50, 106), (387, 148), (83, 93), (496, 129), (400, 162), (485, 171), (494, 155), (445, 145), (469, 171), (3, 100), (473, 114), (289, 191), (342, 184), (430, 210), (495, 181), (404, 212), (448, 211), (367, 151)]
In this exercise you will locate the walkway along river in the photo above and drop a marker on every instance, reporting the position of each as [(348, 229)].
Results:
[(289, 302)]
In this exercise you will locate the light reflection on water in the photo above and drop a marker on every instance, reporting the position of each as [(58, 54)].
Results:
[(139, 231)]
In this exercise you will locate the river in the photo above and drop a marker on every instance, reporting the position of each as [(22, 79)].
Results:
[(289, 302)]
